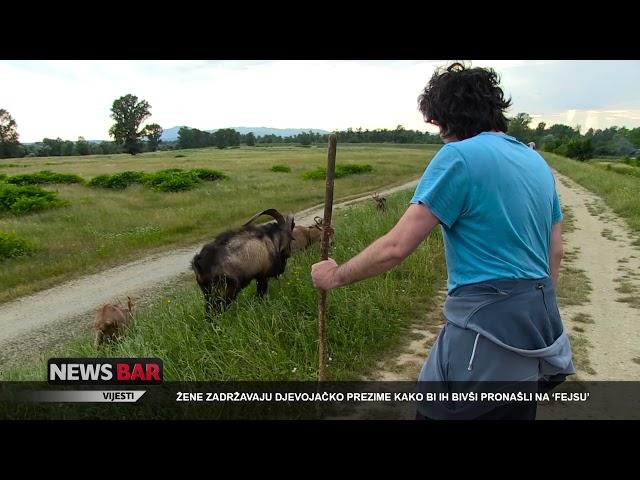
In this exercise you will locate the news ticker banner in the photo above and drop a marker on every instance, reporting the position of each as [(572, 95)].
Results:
[(570, 400)]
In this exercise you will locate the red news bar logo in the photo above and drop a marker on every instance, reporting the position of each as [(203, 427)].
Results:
[(104, 371)]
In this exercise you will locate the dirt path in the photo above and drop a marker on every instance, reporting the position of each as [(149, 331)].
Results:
[(608, 323), (57, 312)]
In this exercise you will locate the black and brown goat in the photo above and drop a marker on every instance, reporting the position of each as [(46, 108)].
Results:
[(236, 257)]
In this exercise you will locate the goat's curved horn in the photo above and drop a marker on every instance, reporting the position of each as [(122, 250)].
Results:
[(269, 211)]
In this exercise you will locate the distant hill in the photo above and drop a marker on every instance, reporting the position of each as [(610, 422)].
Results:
[(171, 134)]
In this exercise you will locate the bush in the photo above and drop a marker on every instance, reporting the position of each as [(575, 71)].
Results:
[(172, 180), (117, 181), (25, 205), (21, 199), (208, 174), (12, 246), (43, 177), (343, 170), (281, 168), (169, 180), (320, 173)]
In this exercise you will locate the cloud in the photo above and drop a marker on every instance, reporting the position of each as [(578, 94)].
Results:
[(69, 98)]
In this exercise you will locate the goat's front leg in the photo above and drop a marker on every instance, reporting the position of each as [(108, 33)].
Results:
[(262, 286)]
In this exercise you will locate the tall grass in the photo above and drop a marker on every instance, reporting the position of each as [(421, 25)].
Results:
[(620, 192), (276, 338)]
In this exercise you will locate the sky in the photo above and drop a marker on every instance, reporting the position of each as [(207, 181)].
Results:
[(72, 98)]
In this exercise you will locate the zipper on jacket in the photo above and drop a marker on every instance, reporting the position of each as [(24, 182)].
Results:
[(473, 353), (544, 299)]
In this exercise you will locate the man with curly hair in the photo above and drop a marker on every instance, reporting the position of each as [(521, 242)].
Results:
[(496, 202)]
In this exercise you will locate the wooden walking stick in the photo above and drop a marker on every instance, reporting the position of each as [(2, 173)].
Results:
[(324, 254)]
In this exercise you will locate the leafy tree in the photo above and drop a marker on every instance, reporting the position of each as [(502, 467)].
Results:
[(226, 137), (9, 144), (305, 138), (250, 139), (579, 149), (106, 148), (83, 147), (562, 132), (68, 148), (53, 146), (153, 133), (621, 145), (128, 114), (519, 127), (194, 138)]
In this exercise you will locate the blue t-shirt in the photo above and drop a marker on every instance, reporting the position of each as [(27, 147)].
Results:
[(496, 201)]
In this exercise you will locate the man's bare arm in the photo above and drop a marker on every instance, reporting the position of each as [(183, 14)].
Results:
[(556, 251), (386, 252)]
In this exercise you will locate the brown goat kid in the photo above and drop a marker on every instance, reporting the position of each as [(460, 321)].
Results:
[(112, 321), (304, 237), (381, 202)]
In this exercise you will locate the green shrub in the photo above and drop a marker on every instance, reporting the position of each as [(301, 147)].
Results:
[(25, 205), (281, 168), (12, 246), (208, 175), (172, 180), (117, 181), (169, 180), (21, 199), (343, 170), (43, 177), (320, 173)]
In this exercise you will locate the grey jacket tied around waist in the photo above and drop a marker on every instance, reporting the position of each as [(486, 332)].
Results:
[(519, 315), (498, 335)]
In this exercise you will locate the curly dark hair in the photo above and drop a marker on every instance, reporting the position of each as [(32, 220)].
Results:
[(464, 102)]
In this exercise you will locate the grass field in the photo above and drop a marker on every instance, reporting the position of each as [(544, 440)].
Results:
[(276, 338), (620, 192), (102, 228), (615, 164)]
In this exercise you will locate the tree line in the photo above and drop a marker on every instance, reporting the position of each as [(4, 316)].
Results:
[(194, 138), (570, 142), (129, 113)]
